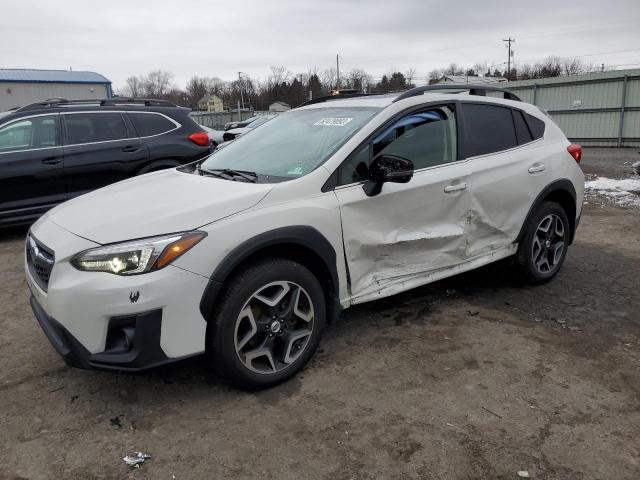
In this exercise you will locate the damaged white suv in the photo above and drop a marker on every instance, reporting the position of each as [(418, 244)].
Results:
[(247, 254)]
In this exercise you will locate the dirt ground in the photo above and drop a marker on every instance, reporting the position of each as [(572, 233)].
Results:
[(474, 377)]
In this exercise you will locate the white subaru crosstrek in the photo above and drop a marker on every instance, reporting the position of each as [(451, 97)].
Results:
[(248, 254)]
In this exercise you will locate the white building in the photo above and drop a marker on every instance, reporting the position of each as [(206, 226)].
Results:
[(210, 103), (20, 87)]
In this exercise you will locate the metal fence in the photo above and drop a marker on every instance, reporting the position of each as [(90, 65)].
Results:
[(596, 109), (216, 120)]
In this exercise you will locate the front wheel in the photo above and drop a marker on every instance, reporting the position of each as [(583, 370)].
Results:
[(268, 323), (544, 244)]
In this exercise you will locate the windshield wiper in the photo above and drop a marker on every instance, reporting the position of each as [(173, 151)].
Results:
[(230, 174)]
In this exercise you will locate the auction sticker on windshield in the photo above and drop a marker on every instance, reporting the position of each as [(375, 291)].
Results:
[(334, 122)]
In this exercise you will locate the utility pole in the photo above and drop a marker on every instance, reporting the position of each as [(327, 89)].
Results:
[(510, 54), (240, 86), (337, 72)]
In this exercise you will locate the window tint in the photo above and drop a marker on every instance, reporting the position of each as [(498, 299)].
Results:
[(94, 127), (147, 124), (356, 169), (522, 130), (35, 132), (426, 138), (536, 126), (489, 129)]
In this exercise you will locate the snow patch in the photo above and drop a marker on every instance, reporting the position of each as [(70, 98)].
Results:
[(623, 192)]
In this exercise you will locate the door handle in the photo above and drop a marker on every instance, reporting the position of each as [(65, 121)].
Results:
[(130, 148), (51, 161), (455, 188), (537, 168)]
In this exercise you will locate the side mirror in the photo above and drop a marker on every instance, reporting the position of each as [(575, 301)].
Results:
[(387, 168)]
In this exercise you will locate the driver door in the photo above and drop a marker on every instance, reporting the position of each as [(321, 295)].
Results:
[(394, 239)]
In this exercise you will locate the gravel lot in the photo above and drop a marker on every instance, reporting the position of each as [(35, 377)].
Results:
[(474, 377)]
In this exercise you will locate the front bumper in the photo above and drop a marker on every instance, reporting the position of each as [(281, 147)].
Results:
[(142, 352), (100, 320)]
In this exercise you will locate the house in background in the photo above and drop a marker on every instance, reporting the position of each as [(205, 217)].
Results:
[(469, 79), (210, 103), (20, 87), (279, 106)]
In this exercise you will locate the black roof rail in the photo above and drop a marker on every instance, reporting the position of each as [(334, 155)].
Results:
[(473, 89), (56, 102)]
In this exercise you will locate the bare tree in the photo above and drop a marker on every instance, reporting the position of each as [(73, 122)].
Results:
[(453, 69), (328, 78), (409, 75), (434, 76), (158, 83), (358, 79), (134, 87)]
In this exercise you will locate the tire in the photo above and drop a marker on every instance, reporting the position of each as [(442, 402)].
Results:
[(274, 306), (541, 253)]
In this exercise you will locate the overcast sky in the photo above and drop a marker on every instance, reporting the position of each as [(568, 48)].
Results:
[(219, 38)]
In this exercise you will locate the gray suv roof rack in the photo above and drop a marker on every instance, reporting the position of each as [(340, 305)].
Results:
[(480, 90), (57, 102)]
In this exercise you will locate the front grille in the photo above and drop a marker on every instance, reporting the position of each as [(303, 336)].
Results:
[(40, 260)]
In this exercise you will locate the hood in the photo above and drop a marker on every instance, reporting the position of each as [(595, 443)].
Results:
[(155, 204)]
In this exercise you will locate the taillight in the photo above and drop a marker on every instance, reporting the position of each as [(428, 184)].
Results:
[(575, 151), (200, 138)]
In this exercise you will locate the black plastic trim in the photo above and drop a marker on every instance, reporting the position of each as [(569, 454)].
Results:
[(302, 235), (562, 185), (145, 353)]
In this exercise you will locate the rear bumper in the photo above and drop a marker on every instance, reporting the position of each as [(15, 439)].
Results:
[(140, 353)]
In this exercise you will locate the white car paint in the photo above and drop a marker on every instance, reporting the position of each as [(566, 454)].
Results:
[(214, 135), (408, 235)]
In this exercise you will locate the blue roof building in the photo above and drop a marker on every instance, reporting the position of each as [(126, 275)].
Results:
[(19, 87)]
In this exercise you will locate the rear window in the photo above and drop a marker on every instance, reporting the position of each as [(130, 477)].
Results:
[(489, 129), (523, 134), (148, 124), (94, 127), (536, 126)]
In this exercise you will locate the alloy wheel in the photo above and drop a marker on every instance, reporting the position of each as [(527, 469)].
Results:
[(274, 327), (548, 244)]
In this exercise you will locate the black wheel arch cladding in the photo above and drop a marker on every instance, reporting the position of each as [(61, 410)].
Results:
[(562, 192), (300, 243)]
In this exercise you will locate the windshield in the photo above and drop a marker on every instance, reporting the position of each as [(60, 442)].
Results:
[(293, 143), (259, 121)]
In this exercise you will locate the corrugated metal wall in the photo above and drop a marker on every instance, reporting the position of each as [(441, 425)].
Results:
[(19, 94), (597, 109)]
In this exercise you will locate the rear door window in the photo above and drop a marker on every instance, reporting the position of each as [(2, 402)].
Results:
[(149, 124), (94, 127), (536, 126), (523, 134), (489, 129), (30, 133)]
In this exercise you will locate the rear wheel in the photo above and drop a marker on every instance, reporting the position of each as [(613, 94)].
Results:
[(544, 244), (268, 323)]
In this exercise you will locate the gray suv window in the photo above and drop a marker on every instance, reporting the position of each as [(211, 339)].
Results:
[(30, 133), (148, 124), (94, 127)]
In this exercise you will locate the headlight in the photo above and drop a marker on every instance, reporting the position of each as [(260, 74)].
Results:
[(137, 256)]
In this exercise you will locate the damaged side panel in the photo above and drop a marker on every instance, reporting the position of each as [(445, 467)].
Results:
[(405, 231)]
